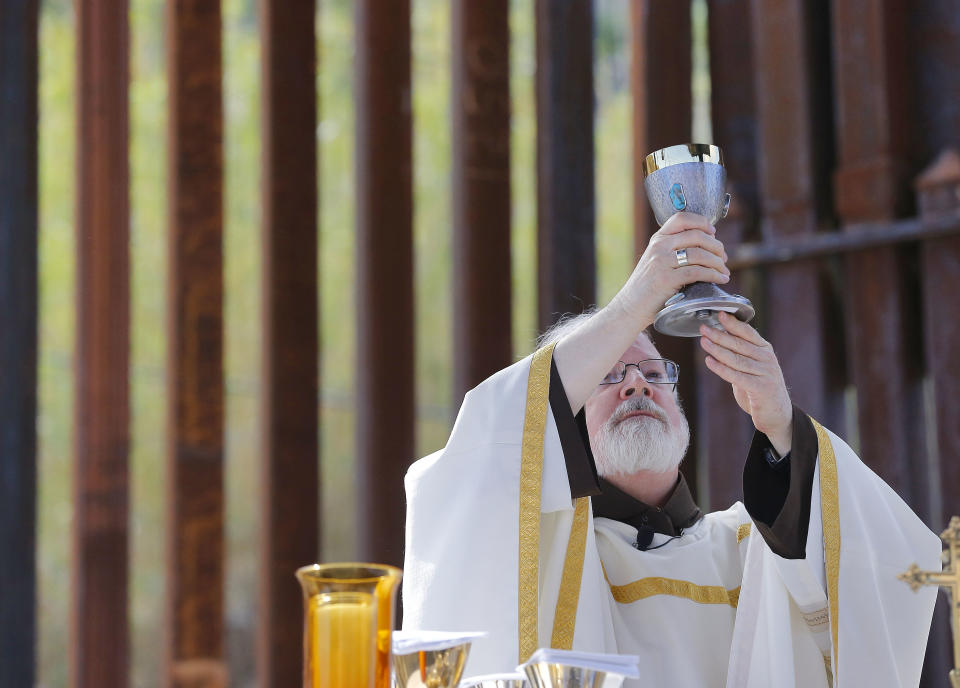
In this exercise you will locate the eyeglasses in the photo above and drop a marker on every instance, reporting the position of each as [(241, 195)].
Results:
[(659, 371)]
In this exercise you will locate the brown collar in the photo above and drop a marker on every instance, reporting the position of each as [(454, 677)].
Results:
[(677, 513)]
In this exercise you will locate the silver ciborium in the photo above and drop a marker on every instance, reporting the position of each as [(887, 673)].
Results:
[(511, 680), (554, 675), (430, 659), (691, 177)]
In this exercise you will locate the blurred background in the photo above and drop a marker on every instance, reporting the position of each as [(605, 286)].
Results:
[(839, 120), (430, 28)]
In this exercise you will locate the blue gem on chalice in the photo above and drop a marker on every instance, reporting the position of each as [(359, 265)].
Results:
[(691, 177)]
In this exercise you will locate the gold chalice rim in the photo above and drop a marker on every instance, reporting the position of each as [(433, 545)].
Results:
[(348, 572), (681, 153)]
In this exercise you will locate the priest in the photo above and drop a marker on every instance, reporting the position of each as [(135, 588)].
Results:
[(556, 514)]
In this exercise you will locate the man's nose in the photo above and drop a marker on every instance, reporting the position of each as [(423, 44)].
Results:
[(633, 383)]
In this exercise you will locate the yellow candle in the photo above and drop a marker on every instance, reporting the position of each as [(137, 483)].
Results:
[(342, 640)]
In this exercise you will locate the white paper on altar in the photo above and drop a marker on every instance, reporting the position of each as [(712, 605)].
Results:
[(407, 641)]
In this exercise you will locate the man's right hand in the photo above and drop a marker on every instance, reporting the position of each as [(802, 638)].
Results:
[(584, 356), (658, 275)]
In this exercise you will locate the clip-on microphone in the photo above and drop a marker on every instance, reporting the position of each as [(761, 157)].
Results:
[(644, 538)]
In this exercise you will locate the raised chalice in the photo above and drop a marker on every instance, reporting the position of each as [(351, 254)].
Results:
[(691, 177)]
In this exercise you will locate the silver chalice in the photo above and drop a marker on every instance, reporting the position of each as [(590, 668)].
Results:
[(691, 177)]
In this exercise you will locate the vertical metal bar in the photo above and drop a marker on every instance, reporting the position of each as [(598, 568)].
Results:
[(289, 533), (872, 115), (794, 142), (195, 555), (938, 190), (566, 270), (385, 382), (940, 261), (734, 113), (885, 355), (724, 430), (870, 184), (933, 29), (480, 49), (99, 638), (18, 344), (660, 82)]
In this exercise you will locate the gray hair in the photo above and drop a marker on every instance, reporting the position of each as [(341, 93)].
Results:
[(569, 323)]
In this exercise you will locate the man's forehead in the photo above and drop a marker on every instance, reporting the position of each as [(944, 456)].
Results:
[(641, 348)]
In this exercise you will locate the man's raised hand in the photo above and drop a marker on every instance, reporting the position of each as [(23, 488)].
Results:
[(585, 355), (747, 361), (659, 275)]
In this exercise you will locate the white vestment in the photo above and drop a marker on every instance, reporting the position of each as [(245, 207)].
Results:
[(715, 607)]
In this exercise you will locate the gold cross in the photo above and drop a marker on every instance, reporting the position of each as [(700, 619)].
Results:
[(949, 578)]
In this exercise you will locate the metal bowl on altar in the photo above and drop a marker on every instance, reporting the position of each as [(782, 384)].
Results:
[(514, 680), (553, 675), (440, 668)]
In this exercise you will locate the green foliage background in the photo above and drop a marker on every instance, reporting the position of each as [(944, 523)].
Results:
[(431, 77)]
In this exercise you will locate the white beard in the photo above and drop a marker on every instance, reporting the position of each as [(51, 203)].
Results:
[(625, 446)]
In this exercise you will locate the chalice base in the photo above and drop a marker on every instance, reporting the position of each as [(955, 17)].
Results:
[(699, 304)]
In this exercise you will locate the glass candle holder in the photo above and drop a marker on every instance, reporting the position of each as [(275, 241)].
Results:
[(348, 616)]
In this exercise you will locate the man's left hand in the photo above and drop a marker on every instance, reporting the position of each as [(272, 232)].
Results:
[(747, 361)]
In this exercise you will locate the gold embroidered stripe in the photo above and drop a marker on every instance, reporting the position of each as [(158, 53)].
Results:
[(648, 587), (830, 516), (531, 473), (565, 617), (743, 531), (733, 596)]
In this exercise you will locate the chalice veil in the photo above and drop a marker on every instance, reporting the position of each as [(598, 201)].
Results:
[(691, 177)]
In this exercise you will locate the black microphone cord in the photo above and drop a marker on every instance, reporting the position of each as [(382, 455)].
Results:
[(645, 537)]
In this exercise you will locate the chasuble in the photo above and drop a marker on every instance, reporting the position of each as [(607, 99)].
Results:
[(802, 593)]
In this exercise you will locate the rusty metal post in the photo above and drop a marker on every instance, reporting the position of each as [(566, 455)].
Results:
[(660, 56), (933, 27), (289, 532), (734, 113), (99, 628), (935, 47), (195, 554), (724, 430), (660, 81), (938, 192), (480, 49), (794, 145), (384, 368), (870, 184), (934, 30), (873, 112), (18, 344), (566, 270)]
